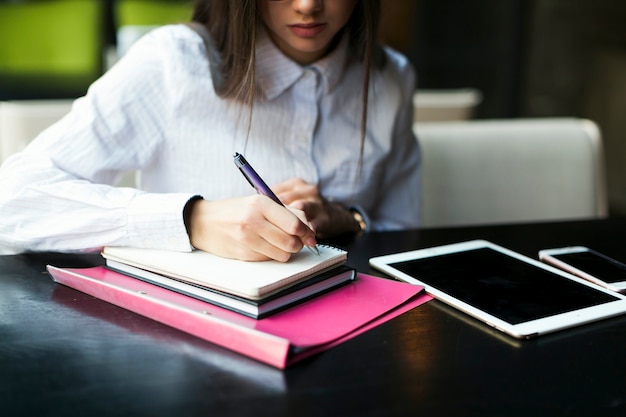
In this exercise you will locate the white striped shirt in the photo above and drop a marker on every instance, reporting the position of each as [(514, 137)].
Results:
[(156, 112)]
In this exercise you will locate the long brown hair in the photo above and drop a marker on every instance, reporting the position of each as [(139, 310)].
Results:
[(232, 25)]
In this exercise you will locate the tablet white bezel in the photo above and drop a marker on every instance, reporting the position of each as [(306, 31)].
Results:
[(521, 330)]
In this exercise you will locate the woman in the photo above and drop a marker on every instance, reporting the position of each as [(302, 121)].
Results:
[(300, 87)]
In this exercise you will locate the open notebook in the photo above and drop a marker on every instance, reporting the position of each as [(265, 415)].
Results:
[(253, 280)]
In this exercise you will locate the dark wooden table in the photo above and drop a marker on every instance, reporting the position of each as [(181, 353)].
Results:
[(63, 353)]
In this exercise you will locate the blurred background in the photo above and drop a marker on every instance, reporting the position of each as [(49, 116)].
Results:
[(528, 58), (512, 58)]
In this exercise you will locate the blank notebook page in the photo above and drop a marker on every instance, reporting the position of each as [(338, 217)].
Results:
[(247, 279)]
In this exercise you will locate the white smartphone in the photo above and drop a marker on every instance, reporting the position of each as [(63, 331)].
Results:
[(589, 264)]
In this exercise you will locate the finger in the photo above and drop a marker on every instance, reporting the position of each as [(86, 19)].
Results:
[(288, 184), (295, 189), (263, 243), (264, 250), (291, 229), (239, 229), (267, 232), (302, 214)]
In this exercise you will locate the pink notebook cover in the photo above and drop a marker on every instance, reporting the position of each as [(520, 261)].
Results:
[(279, 340)]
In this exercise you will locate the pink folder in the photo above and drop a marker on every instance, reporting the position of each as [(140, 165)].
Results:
[(279, 340)]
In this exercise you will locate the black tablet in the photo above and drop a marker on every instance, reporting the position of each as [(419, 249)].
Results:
[(509, 291)]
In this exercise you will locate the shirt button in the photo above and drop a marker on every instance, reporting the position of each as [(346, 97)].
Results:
[(302, 139)]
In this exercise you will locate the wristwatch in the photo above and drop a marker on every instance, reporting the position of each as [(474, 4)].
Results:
[(358, 218)]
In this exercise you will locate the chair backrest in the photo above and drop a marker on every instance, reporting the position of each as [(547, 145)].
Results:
[(445, 105), (504, 171), (22, 120)]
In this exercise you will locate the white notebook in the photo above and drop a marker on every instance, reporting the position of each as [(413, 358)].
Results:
[(252, 280)]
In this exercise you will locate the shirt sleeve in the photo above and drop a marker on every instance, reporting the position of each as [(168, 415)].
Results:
[(59, 194), (399, 207)]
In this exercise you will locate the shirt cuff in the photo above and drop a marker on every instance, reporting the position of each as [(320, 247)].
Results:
[(155, 221)]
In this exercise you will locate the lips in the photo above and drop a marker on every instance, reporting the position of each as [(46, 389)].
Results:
[(307, 30)]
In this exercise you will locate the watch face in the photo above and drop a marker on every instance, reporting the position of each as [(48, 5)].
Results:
[(358, 218)]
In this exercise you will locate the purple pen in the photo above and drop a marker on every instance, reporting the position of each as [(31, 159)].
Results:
[(259, 185), (253, 178)]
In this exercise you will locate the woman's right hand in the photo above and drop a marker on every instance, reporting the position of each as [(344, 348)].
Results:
[(252, 228)]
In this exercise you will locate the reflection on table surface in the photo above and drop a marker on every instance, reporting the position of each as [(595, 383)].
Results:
[(65, 353)]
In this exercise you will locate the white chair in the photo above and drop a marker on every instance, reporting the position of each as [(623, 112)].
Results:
[(506, 171), (445, 104), (22, 120)]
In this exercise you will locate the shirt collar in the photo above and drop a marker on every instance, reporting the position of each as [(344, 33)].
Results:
[(276, 72)]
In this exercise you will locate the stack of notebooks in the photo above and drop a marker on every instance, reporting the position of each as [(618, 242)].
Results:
[(277, 313), (256, 289)]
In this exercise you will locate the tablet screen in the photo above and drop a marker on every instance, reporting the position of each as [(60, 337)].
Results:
[(503, 286)]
